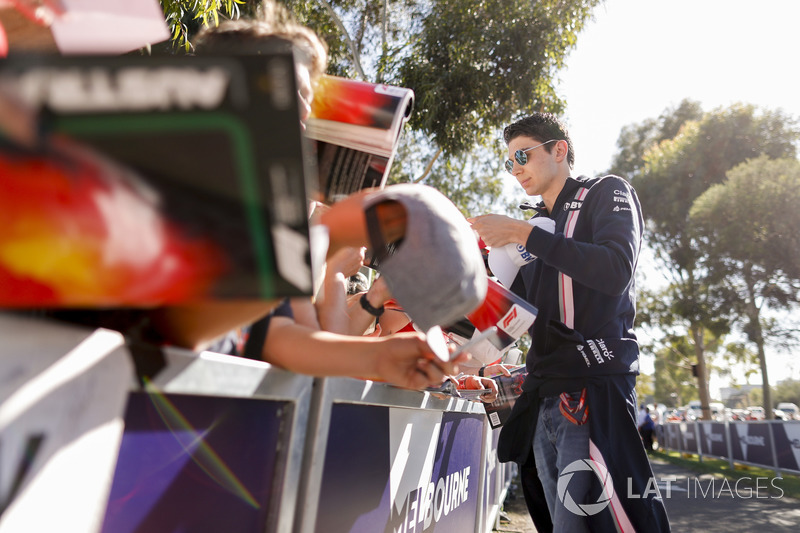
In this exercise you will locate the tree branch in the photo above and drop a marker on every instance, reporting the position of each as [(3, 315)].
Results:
[(347, 38), (429, 166)]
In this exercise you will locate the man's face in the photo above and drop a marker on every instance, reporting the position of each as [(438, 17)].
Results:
[(538, 173)]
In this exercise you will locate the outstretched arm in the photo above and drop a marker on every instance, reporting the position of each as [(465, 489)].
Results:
[(404, 360)]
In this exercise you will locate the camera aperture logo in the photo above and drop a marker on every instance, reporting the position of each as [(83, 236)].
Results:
[(585, 509)]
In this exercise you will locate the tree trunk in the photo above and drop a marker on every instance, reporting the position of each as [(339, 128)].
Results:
[(698, 332), (757, 336), (767, 393)]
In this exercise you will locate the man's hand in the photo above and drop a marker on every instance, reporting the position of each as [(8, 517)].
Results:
[(407, 361), (497, 369), (477, 382), (499, 230), (346, 260)]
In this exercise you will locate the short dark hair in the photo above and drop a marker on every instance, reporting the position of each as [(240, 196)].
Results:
[(542, 127)]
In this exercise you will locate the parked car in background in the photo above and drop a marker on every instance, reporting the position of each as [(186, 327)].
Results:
[(674, 415), (791, 410), (738, 415), (777, 414), (694, 412), (755, 412)]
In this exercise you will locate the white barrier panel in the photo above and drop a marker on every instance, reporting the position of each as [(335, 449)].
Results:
[(388, 460), (97, 435), (62, 398), (498, 478)]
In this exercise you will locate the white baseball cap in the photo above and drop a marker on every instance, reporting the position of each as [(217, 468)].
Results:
[(505, 261)]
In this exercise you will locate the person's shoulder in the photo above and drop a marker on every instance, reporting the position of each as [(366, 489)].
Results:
[(604, 182), (608, 188)]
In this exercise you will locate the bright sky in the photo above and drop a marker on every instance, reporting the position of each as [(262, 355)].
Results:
[(639, 57)]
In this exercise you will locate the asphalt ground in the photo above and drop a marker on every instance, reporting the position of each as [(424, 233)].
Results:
[(702, 503), (711, 503)]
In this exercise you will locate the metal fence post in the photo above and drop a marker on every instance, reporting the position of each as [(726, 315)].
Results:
[(729, 442)]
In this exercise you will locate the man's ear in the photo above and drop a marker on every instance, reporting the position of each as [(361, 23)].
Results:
[(561, 150)]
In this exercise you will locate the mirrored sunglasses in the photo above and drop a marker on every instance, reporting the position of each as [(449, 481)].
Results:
[(521, 157)]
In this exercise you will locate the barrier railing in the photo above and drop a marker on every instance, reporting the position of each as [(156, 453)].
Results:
[(110, 437), (773, 444)]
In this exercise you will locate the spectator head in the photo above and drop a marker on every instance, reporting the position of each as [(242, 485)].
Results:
[(273, 22)]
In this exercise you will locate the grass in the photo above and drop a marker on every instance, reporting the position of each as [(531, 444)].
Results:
[(789, 483)]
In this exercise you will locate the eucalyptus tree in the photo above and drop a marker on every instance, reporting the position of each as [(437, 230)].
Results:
[(749, 230), (672, 376), (676, 171), (636, 139)]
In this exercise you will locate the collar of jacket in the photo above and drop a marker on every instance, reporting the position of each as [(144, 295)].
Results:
[(567, 192)]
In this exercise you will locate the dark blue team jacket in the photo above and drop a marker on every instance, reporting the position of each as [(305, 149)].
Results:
[(582, 284)]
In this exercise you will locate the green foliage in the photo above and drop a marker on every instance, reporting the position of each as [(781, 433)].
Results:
[(787, 391), (752, 257), (680, 169), (476, 64), (636, 139), (756, 397), (750, 222), (703, 254), (673, 384), (185, 17), (738, 354), (674, 172), (644, 388), (319, 15), (471, 180)]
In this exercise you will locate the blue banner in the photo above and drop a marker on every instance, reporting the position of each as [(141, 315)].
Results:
[(787, 444), (713, 438), (688, 437), (194, 463), (399, 470), (751, 442)]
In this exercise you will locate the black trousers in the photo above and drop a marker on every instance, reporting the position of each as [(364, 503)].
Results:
[(534, 496)]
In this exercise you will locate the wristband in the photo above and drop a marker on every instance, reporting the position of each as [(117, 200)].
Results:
[(374, 311), (480, 371)]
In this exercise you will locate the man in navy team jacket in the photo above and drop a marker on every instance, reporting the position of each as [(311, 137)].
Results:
[(573, 431)]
